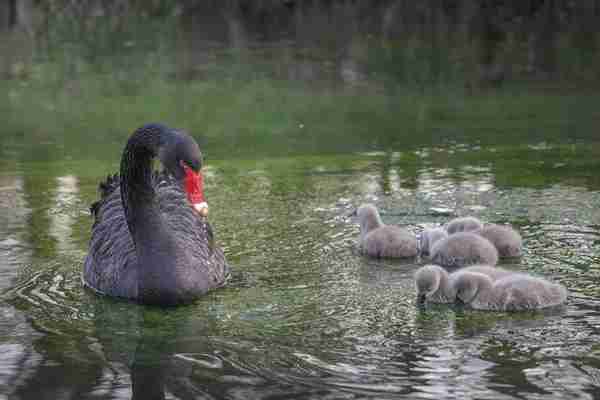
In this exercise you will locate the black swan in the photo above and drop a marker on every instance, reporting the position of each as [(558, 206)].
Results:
[(151, 241)]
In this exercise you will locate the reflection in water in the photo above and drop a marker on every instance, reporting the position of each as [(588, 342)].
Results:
[(61, 212), (143, 360), (13, 246), (39, 190), (304, 316), (18, 356)]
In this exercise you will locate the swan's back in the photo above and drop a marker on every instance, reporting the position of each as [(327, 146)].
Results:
[(389, 242), (508, 242), (463, 249), (463, 224), (493, 272), (518, 292), (111, 265), (514, 292)]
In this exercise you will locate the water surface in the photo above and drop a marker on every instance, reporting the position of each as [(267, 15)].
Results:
[(304, 315)]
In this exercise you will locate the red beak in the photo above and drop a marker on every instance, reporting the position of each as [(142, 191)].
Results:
[(194, 186)]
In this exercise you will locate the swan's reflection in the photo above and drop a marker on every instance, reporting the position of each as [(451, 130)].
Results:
[(141, 347)]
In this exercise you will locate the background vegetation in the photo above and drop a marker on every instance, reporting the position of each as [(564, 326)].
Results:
[(284, 76)]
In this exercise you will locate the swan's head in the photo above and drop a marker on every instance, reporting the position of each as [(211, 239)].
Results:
[(427, 281), (181, 157), (468, 285), (368, 217)]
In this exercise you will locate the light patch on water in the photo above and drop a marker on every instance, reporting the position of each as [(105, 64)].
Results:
[(204, 360), (541, 146), (64, 212), (373, 154)]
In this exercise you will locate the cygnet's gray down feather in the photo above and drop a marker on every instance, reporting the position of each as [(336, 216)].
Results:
[(463, 224), (429, 237), (383, 241), (463, 249), (434, 284), (515, 292), (508, 242)]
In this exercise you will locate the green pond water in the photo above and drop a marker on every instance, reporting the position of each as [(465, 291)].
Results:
[(304, 316)]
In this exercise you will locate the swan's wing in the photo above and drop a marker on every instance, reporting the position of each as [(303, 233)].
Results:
[(194, 234), (111, 256)]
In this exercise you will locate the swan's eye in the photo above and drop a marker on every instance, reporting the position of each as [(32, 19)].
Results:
[(194, 166)]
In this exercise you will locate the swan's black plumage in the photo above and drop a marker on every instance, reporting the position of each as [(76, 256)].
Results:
[(148, 243)]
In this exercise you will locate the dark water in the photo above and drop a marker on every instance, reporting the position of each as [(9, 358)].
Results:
[(305, 316)]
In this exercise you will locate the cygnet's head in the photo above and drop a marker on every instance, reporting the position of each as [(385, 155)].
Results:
[(368, 217), (468, 285), (428, 280)]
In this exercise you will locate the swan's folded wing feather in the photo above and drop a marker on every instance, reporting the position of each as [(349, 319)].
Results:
[(194, 233), (111, 256)]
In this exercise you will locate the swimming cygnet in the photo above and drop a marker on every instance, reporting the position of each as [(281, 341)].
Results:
[(380, 240), (434, 284), (463, 224), (508, 242), (515, 292), (429, 237), (463, 249)]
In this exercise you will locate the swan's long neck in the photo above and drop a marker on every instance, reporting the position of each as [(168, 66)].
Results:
[(154, 245), (137, 192), (369, 222)]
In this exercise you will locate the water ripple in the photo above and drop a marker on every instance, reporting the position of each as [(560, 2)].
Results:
[(305, 315)]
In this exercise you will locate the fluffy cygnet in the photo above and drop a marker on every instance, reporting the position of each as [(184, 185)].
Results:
[(434, 284), (463, 224), (515, 292), (463, 249), (508, 242), (383, 241), (429, 237)]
